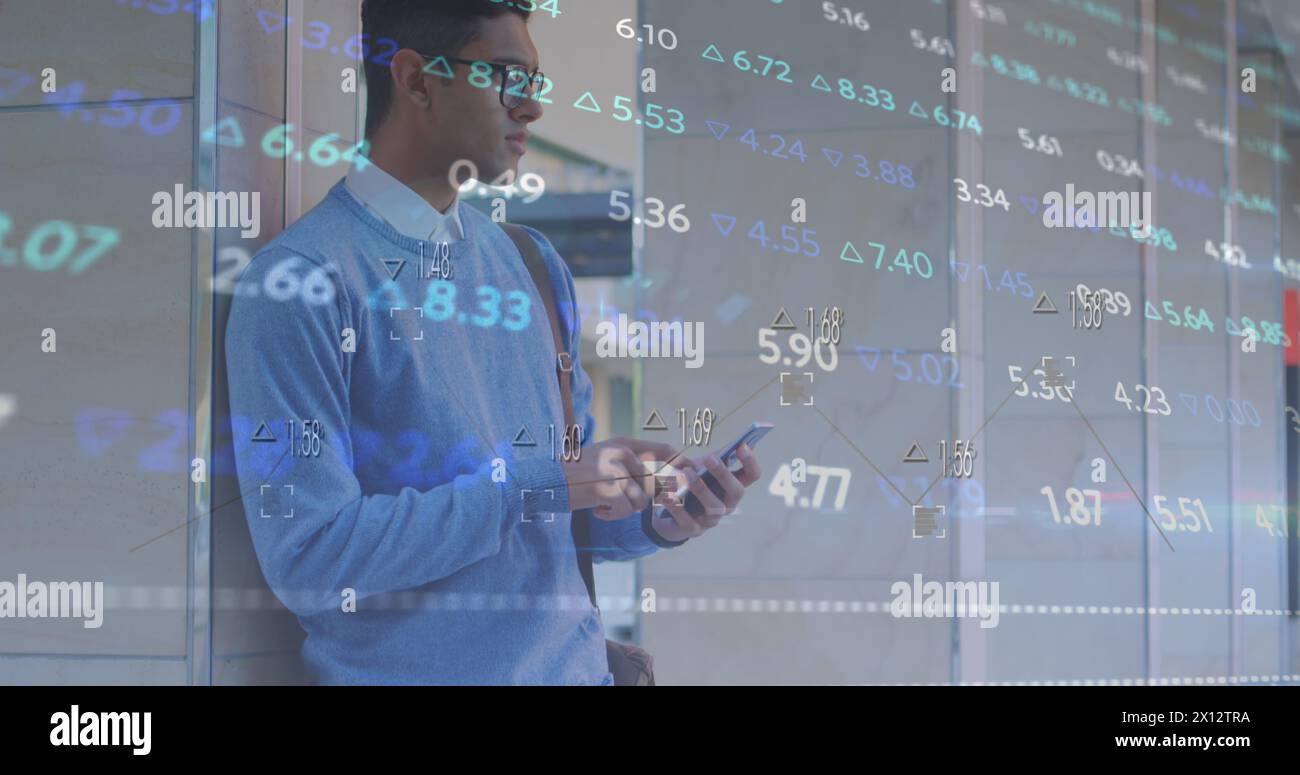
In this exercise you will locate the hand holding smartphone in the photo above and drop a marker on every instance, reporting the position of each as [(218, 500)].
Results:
[(751, 437)]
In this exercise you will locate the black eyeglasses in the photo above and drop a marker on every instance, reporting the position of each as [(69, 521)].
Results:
[(517, 83)]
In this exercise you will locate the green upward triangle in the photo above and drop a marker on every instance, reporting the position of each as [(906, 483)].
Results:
[(849, 249), (587, 102), (225, 132), (446, 68)]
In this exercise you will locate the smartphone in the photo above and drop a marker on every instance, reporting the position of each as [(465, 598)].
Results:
[(752, 435)]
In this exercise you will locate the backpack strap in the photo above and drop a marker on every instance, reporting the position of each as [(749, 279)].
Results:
[(581, 521)]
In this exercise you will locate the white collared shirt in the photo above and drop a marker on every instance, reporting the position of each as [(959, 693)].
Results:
[(403, 209)]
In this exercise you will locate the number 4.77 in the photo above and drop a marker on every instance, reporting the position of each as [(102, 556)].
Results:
[(823, 475)]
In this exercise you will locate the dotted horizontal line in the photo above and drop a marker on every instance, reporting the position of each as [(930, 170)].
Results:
[(753, 605), (255, 598)]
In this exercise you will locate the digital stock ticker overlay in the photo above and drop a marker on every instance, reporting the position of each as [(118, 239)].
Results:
[(907, 343)]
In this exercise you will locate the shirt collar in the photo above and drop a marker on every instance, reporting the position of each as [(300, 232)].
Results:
[(402, 208)]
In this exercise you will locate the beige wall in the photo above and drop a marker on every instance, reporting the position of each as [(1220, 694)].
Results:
[(80, 498)]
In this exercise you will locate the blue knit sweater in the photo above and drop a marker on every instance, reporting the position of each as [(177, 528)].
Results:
[(386, 532)]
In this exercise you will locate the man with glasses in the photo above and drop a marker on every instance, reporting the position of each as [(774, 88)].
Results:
[(432, 534), (516, 84)]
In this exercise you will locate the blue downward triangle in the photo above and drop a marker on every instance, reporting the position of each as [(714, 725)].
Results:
[(270, 21), (730, 220)]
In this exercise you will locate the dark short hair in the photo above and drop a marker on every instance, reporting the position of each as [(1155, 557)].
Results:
[(430, 26)]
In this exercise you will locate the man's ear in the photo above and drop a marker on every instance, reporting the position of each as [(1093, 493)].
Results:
[(409, 79)]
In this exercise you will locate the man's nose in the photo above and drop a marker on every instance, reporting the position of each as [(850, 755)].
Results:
[(527, 111)]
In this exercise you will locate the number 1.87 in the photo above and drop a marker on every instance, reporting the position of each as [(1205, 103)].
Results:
[(1080, 514)]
